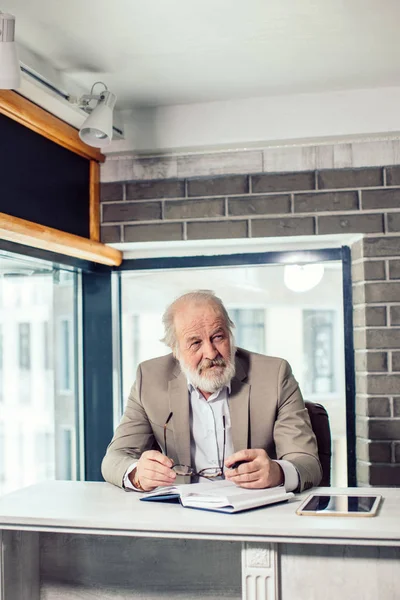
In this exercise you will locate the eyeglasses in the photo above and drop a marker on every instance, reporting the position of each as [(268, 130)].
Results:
[(209, 472)]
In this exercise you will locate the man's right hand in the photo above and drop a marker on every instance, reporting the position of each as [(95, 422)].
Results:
[(153, 469)]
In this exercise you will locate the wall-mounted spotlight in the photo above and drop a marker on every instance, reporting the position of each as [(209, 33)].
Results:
[(10, 72), (97, 129)]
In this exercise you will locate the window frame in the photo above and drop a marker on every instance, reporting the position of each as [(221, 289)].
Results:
[(341, 254)]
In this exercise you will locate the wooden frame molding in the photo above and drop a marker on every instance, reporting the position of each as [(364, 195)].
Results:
[(34, 117), (31, 234), (94, 201)]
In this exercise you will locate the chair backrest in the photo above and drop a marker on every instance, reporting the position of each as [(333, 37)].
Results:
[(320, 425)]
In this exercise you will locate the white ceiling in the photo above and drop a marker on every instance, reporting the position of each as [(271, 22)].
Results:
[(163, 52)]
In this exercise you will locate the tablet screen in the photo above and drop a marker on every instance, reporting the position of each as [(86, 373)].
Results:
[(340, 504)]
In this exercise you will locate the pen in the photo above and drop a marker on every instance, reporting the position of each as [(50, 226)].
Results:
[(237, 464)]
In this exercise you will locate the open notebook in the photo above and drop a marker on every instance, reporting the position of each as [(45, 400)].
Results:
[(221, 496)]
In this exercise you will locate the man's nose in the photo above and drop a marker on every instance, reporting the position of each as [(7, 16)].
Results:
[(210, 351)]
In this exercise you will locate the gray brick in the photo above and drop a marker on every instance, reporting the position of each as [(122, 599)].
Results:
[(396, 407), (396, 361), (393, 175), (207, 230), (382, 339), (358, 294), (395, 315), (394, 269), (373, 407), (153, 233), (110, 234), (259, 205), (349, 178), (368, 270), (111, 191), (385, 429), (380, 384), (371, 361), (375, 316), (361, 427), (357, 250), (283, 182), (359, 316), (359, 339), (380, 199), (380, 452), (283, 227), (384, 475), (397, 453), (369, 316), (361, 223), (218, 186), (325, 201), (131, 211), (362, 473), (381, 246), (195, 209), (393, 221), (382, 292), (155, 188)]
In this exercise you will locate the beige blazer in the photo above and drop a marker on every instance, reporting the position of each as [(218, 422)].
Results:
[(266, 408)]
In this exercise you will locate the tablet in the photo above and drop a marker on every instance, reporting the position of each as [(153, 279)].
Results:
[(340, 505)]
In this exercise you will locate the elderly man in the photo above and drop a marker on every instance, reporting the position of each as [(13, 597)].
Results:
[(210, 409)]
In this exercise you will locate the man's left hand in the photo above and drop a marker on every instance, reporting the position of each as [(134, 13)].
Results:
[(257, 472)]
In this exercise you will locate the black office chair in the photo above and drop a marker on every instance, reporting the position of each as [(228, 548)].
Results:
[(320, 424)]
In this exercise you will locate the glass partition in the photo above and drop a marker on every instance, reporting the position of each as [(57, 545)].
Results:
[(274, 314), (39, 383)]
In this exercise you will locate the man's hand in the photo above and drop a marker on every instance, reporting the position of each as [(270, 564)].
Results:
[(257, 472), (153, 469)]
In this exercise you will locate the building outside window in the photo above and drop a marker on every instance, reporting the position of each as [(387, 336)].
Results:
[(24, 336), (249, 328), (33, 410), (318, 332)]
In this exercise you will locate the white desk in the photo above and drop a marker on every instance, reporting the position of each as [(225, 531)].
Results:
[(64, 540)]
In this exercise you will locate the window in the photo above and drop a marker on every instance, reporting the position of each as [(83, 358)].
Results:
[(65, 449), (1, 363), (46, 345), (318, 330), (2, 457), (306, 328), (249, 328), (34, 410), (64, 356), (24, 345)]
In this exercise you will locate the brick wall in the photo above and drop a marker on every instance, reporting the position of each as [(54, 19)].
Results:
[(328, 201)]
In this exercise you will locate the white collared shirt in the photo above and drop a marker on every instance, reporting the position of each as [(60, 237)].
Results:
[(207, 436)]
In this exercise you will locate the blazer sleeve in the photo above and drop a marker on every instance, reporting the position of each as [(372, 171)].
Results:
[(293, 435), (133, 436)]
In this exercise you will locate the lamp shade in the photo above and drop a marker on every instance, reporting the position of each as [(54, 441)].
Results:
[(301, 278), (10, 73), (97, 129)]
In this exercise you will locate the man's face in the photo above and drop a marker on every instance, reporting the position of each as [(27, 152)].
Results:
[(204, 346)]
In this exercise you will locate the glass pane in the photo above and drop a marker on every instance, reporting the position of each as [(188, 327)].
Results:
[(305, 327), (39, 404)]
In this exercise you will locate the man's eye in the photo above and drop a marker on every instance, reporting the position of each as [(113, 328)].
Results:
[(218, 337), (194, 344)]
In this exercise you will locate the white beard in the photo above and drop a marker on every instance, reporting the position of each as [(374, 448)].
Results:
[(211, 382)]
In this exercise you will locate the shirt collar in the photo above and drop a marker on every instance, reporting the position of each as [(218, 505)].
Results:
[(191, 387)]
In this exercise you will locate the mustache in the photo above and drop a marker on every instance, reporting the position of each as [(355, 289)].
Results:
[(207, 363)]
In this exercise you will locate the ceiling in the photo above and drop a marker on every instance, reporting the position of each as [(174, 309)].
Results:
[(167, 52)]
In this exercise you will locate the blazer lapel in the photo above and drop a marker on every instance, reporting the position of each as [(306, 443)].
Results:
[(239, 408), (179, 406)]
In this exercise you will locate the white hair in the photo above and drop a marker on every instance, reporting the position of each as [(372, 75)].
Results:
[(195, 297)]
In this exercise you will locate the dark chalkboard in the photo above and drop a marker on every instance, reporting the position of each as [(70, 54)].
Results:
[(41, 181)]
